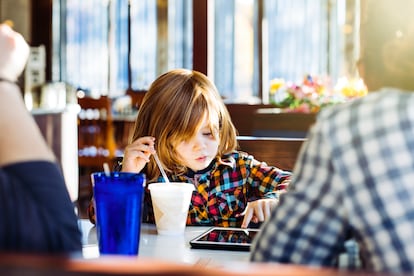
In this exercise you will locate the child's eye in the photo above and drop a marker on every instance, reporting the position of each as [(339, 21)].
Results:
[(208, 133)]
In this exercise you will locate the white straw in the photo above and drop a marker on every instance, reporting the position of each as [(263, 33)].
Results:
[(161, 168), (106, 169)]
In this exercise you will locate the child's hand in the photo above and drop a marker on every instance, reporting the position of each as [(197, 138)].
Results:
[(258, 211), (137, 154)]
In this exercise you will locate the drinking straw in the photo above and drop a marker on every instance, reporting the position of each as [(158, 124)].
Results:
[(106, 169), (164, 175)]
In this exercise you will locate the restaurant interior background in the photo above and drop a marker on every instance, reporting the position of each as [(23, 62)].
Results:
[(110, 46), (118, 47)]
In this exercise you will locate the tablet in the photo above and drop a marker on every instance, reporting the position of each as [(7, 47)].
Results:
[(225, 238)]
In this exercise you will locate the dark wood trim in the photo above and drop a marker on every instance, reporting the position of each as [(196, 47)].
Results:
[(276, 123), (275, 151), (162, 34), (129, 48), (260, 17), (242, 116), (41, 30), (200, 36)]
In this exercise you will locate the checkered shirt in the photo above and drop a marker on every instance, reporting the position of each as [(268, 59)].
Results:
[(222, 193), (354, 178)]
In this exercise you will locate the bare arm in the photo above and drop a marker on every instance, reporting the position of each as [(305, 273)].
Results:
[(20, 138)]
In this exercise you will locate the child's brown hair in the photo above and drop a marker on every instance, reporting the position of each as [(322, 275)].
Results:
[(172, 111)]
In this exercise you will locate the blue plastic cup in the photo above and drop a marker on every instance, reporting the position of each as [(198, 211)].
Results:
[(118, 210)]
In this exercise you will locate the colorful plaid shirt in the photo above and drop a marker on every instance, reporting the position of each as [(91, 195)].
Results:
[(224, 189)]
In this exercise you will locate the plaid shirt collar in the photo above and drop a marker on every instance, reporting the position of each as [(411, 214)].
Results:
[(226, 160)]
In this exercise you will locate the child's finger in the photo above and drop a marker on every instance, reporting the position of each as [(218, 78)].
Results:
[(247, 217)]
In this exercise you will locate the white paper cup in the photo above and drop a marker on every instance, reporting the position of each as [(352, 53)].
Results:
[(170, 202)]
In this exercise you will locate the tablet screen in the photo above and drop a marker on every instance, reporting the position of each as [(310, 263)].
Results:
[(225, 239)]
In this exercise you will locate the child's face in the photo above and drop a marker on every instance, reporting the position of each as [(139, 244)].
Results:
[(198, 152)]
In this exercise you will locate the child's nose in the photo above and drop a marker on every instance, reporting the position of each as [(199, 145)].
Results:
[(199, 143)]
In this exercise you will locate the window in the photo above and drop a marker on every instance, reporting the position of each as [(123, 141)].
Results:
[(235, 51), (258, 40), (87, 48), (115, 45)]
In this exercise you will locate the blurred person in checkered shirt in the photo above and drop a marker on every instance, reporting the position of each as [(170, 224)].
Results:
[(354, 178)]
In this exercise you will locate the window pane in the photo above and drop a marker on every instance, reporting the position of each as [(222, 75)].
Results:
[(180, 34), (143, 42), (97, 35), (297, 38), (119, 64), (234, 49), (244, 50), (87, 47), (306, 37), (145, 39)]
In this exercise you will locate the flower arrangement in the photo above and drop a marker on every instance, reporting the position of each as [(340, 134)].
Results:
[(313, 93), (350, 89)]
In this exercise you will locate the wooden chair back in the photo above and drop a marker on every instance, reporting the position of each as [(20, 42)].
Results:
[(275, 151)]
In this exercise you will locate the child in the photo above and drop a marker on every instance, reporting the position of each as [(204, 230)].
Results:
[(185, 121)]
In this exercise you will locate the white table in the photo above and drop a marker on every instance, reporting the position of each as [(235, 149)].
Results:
[(177, 250), (168, 248)]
